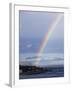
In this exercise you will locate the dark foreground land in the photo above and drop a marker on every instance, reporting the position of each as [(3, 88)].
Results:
[(26, 72)]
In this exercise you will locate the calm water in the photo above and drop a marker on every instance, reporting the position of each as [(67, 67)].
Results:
[(53, 60)]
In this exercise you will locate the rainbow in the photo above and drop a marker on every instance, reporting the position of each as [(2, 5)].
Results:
[(48, 35)]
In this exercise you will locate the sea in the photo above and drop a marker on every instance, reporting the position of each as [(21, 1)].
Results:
[(49, 60)]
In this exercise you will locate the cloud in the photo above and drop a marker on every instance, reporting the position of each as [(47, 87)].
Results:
[(29, 46)]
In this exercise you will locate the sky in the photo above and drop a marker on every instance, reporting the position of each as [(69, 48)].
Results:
[(33, 27)]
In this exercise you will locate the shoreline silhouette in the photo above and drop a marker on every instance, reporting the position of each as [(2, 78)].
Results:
[(38, 71)]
